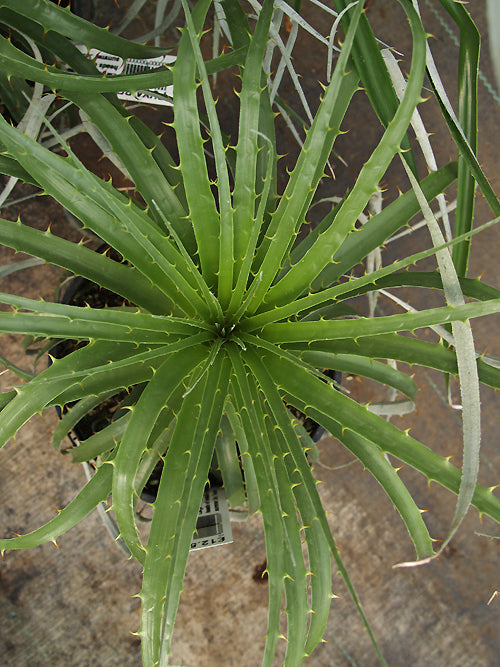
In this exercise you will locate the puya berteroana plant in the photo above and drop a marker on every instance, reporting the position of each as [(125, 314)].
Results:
[(235, 313)]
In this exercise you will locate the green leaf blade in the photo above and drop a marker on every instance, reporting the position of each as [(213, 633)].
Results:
[(94, 492), (202, 210), (301, 275), (144, 415)]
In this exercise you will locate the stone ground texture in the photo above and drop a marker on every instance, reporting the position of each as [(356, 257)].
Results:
[(72, 606)]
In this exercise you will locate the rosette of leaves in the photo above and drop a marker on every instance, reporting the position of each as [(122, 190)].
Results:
[(236, 315)]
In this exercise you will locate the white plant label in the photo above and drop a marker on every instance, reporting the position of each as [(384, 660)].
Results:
[(111, 65), (213, 527)]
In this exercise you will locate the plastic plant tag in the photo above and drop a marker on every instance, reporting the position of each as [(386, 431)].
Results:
[(213, 527), (110, 65)]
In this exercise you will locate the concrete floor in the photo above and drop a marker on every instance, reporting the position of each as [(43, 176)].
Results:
[(72, 606)]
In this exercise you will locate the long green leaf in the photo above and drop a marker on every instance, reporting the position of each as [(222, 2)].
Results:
[(53, 18), (207, 427), (288, 332), (101, 442), (244, 193), (168, 513), (10, 167), (100, 366), (467, 369), (258, 365), (202, 208), (349, 288), (350, 363), (372, 71), (297, 609), (72, 416), (301, 275), (251, 486), (461, 141), (269, 501), (375, 232), (82, 261), (467, 116), (134, 443), (237, 21), (134, 369), (473, 288), (77, 328), (229, 464), (308, 171), (318, 554), (118, 222), (136, 157), (295, 583), (94, 492), (369, 454), (225, 209), (17, 63), (385, 435), (132, 318), (401, 348)]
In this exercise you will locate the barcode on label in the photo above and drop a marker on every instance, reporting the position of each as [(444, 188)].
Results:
[(213, 527), (109, 64)]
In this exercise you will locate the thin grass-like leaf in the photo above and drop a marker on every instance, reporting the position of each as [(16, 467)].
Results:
[(459, 137), (493, 14), (94, 492), (13, 267)]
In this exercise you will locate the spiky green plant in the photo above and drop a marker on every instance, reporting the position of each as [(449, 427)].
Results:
[(235, 314)]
